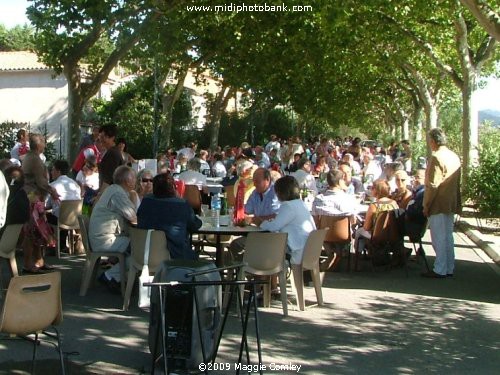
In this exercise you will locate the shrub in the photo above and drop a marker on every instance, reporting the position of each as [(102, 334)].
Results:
[(484, 179)]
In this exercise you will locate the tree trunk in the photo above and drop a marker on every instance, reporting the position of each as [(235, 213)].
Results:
[(218, 107), (470, 129), (168, 102), (75, 108), (417, 122), (471, 65)]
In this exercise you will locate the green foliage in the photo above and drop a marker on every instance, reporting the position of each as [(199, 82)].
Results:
[(8, 132), (50, 149), (18, 38), (451, 122), (131, 109), (484, 179)]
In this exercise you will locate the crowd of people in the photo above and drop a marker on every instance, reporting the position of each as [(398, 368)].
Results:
[(283, 185)]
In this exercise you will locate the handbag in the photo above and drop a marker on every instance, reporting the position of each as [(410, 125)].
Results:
[(145, 291)]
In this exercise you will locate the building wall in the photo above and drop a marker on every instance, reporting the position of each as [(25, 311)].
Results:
[(37, 98)]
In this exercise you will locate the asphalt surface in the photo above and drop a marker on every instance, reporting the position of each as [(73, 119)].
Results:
[(382, 322)]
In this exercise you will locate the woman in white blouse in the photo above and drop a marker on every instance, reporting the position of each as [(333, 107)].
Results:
[(293, 217)]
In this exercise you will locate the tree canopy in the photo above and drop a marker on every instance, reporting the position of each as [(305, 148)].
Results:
[(384, 66)]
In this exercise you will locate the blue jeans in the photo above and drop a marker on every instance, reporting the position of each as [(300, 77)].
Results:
[(441, 226)]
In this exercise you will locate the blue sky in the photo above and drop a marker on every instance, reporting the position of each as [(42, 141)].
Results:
[(12, 12)]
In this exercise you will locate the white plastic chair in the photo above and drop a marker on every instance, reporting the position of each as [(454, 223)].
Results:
[(310, 261), (265, 256), (8, 245), (68, 220), (93, 257), (32, 305), (157, 254)]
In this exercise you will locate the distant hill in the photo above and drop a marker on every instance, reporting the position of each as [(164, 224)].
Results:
[(490, 115)]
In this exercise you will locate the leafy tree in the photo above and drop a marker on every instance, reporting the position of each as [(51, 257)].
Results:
[(18, 38), (70, 34), (485, 178)]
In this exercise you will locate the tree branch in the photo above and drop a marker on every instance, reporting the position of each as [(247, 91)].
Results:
[(427, 48), (487, 17)]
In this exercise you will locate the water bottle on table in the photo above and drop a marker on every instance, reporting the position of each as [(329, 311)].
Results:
[(216, 206)]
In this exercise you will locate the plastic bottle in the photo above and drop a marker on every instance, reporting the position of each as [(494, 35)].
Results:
[(216, 205)]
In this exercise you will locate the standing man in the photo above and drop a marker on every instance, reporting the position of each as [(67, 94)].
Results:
[(441, 201), (112, 158)]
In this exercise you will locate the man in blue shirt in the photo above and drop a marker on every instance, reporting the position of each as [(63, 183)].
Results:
[(261, 205)]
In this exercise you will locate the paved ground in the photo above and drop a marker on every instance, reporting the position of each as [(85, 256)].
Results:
[(382, 322)]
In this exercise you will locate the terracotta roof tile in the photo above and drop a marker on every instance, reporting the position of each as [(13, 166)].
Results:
[(20, 60)]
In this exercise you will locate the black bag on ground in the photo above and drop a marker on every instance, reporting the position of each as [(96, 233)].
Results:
[(182, 334)]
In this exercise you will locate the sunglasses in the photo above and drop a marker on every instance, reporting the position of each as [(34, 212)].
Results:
[(147, 180)]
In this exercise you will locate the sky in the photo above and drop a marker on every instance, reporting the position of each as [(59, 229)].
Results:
[(12, 13)]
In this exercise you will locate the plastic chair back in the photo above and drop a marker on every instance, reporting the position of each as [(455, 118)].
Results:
[(339, 228), (68, 213), (264, 253), (313, 247), (386, 229), (32, 304), (157, 252), (193, 197), (230, 195), (9, 239), (83, 222)]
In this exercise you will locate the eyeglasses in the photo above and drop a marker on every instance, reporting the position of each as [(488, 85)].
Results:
[(147, 180)]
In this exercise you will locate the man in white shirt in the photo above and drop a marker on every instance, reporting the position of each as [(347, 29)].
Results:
[(192, 176), (273, 144), (188, 152), (66, 188)]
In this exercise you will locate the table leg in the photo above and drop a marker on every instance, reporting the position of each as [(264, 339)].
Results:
[(219, 261)]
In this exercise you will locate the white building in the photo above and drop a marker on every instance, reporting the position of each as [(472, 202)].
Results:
[(30, 92)]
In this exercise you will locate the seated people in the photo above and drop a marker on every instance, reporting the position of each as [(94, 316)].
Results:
[(261, 205), (293, 218), (204, 166), (371, 168), (218, 168), (88, 179), (304, 177), (414, 214), (402, 195), (244, 170), (143, 186), (193, 176), (108, 227), (383, 202), (334, 202), (354, 186), (389, 174), (67, 189), (321, 166), (17, 205), (153, 214)]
